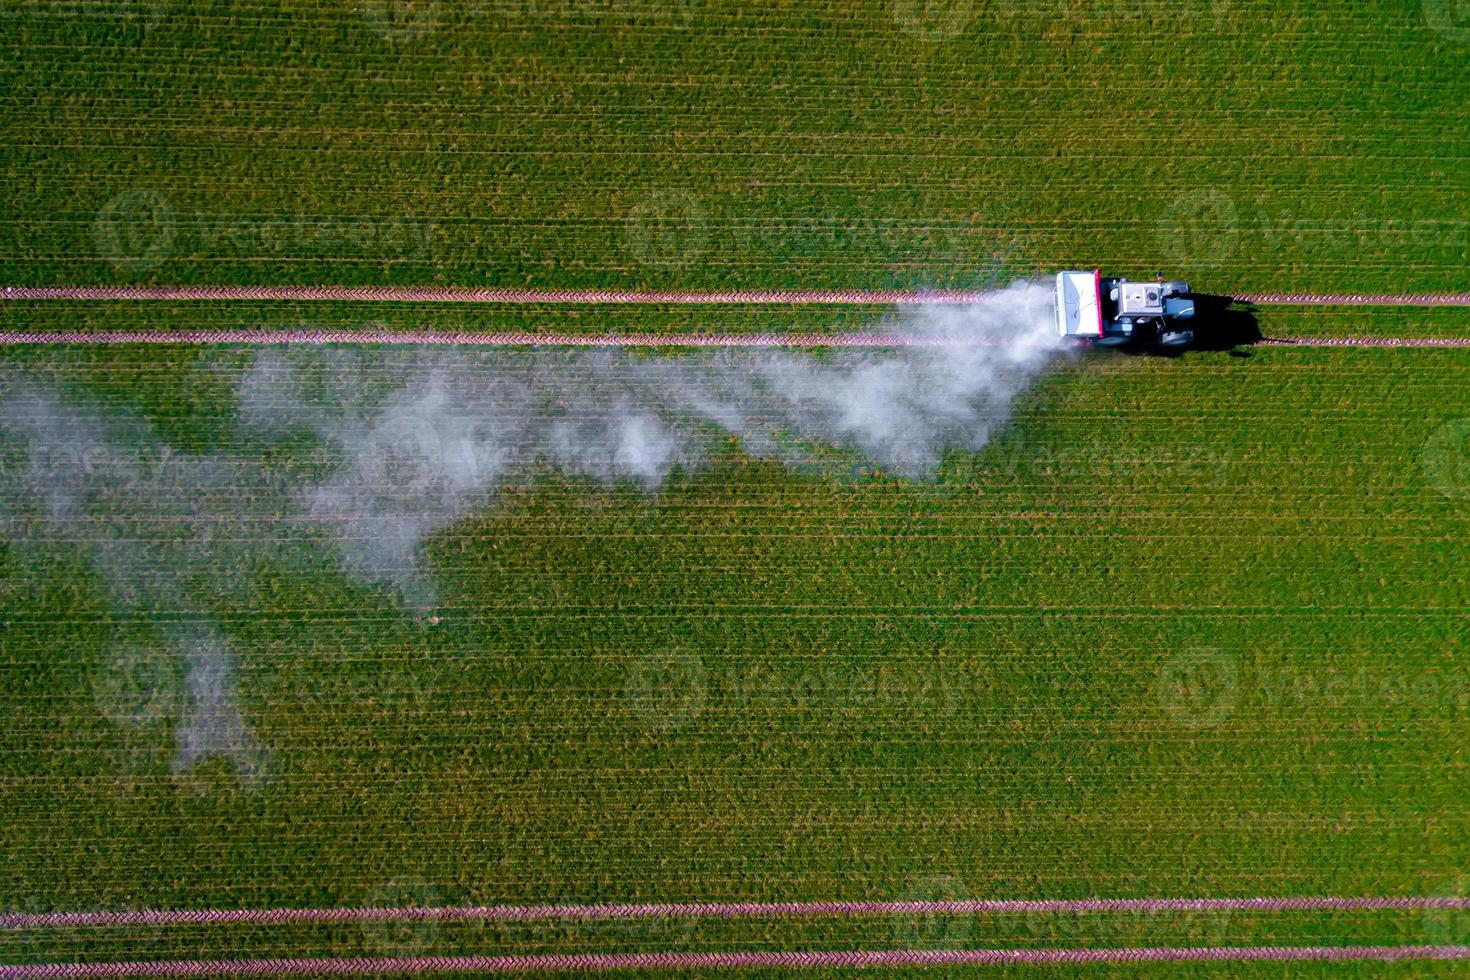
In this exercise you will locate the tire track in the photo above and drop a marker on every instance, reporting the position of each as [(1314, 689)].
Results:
[(435, 338), (578, 962), (773, 297), (726, 910)]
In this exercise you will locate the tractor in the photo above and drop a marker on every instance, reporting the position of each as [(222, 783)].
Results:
[(1110, 311)]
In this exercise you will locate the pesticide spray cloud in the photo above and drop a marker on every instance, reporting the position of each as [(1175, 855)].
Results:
[(151, 524), (427, 436), (405, 442)]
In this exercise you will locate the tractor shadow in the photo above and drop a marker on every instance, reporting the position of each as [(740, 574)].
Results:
[(1220, 324)]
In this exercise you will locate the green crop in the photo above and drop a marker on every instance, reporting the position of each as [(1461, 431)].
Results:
[(1189, 627)]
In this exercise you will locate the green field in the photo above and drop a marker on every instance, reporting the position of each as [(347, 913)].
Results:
[(1190, 627), (1252, 145)]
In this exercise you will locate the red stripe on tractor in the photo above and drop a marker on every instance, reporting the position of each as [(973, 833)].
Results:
[(1097, 297)]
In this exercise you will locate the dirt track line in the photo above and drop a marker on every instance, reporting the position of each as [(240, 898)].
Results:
[(466, 294), (323, 338), (1362, 342), (319, 338), (492, 295), (1354, 299), (726, 910), (735, 959)]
